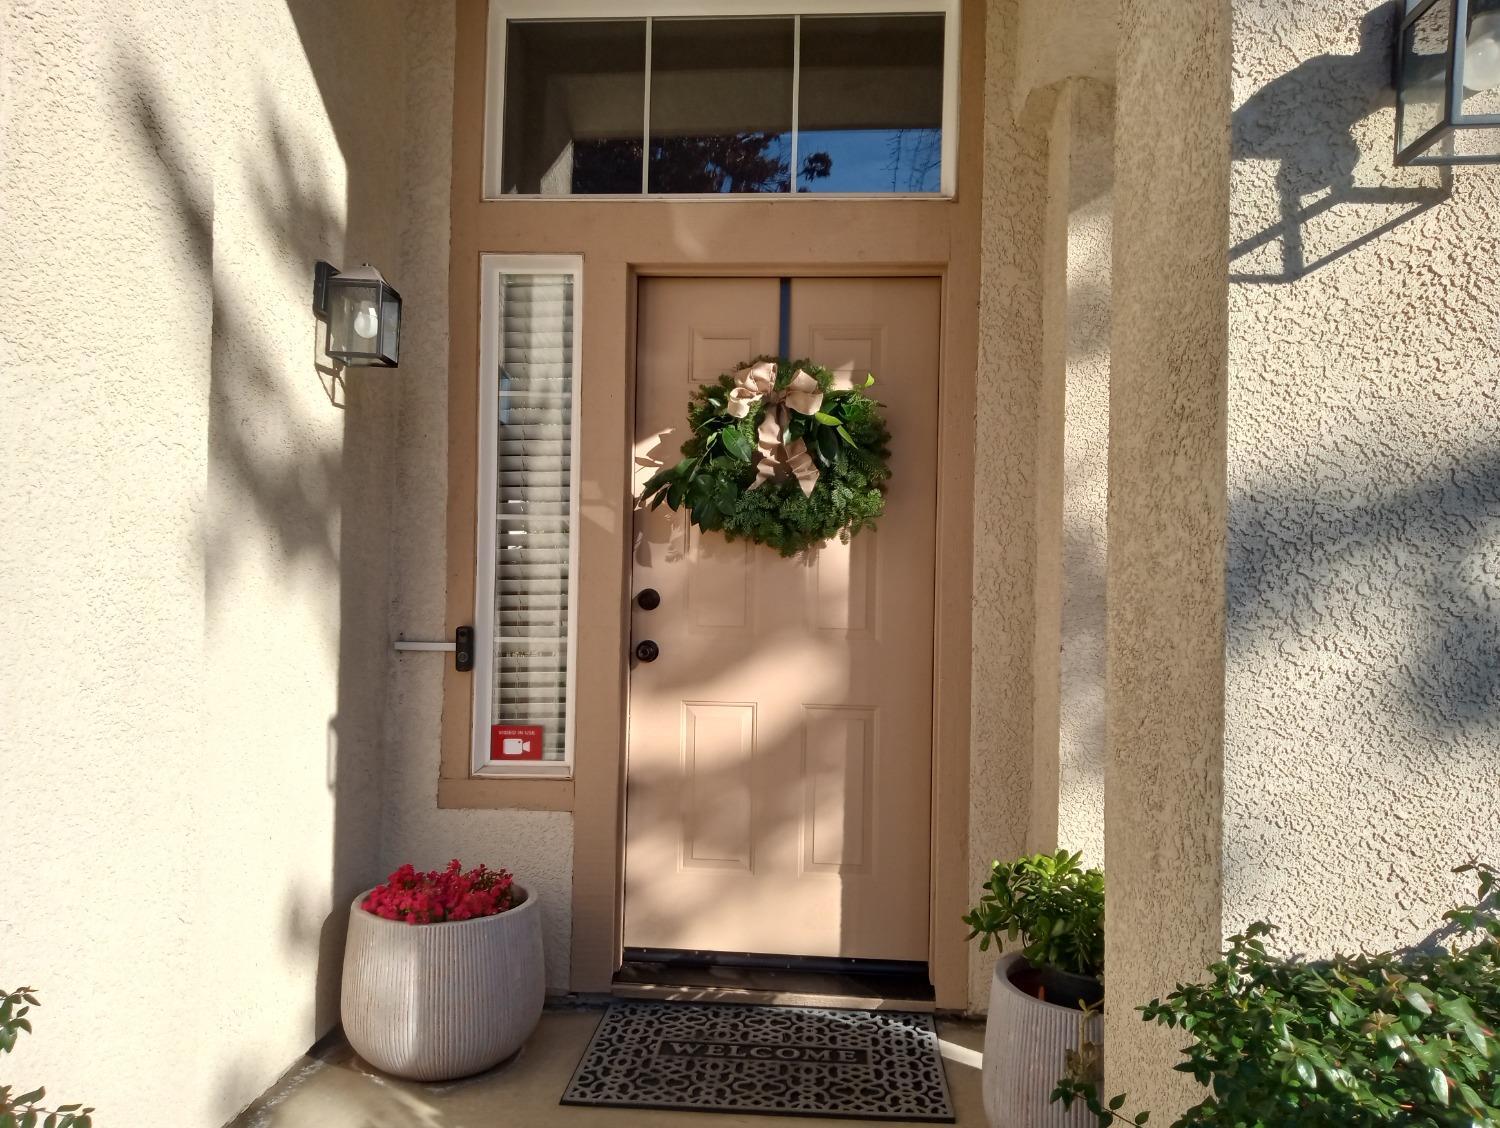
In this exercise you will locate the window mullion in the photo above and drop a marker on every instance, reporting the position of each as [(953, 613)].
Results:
[(796, 89), (646, 117)]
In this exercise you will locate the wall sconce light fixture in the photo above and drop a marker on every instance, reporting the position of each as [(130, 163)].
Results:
[(1448, 82), (363, 314)]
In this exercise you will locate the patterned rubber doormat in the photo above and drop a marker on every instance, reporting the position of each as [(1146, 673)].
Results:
[(788, 1061)]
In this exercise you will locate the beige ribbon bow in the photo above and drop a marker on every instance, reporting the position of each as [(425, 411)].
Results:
[(802, 395)]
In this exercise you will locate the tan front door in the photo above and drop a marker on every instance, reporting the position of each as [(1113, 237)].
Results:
[(778, 786)]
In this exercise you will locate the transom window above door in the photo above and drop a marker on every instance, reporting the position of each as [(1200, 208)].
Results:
[(700, 98)]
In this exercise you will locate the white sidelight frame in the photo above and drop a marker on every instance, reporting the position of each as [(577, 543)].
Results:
[(492, 270), (501, 12)]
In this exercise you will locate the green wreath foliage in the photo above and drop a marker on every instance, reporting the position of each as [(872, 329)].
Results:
[(847, 439)]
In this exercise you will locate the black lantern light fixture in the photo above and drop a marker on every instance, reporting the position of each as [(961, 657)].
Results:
[(1448, 82), (363, 314)]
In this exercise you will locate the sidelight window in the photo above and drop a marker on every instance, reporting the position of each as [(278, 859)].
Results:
[(765, 97), (528, 506)]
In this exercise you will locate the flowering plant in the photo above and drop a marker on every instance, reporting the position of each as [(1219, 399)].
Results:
[(441, 895)]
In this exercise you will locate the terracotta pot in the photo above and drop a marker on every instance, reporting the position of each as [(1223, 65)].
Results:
[(1026, 1042), (431, 1002)]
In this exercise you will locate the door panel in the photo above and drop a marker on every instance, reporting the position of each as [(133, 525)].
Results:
[(779, 775), (718, 742)]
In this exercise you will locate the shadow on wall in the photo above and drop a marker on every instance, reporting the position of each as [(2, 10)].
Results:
[(1312, 124), (294, 501), (1400, 584), (296, 519)]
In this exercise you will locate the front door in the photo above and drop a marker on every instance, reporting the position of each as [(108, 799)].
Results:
[(778, 788)]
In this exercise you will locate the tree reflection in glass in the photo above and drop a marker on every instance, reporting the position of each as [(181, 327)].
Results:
[(721, 105), (871, 97), (745, 162)]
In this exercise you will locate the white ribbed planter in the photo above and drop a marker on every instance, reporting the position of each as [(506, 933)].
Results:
[(1025, 1043), (432, 1002)]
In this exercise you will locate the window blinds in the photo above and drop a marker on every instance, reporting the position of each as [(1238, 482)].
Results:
[(533, 506)]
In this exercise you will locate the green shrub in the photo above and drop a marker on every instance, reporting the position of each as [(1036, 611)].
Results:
[(1052, 904), (23, 1110), (1354, 1041)]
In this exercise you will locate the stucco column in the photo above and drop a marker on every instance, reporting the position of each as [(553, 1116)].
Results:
[(1005, 432), (1165, 574)]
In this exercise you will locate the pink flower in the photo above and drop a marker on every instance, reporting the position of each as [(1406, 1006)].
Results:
[(441, 895)]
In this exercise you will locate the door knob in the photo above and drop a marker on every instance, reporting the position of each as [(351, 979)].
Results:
[(647, 651), (649, 599)]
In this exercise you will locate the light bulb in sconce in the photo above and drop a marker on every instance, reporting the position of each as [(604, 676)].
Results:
[(1482, 54), (366, 322)]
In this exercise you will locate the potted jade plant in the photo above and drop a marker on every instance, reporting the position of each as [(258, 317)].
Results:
[(443, 973), (1047, 991)]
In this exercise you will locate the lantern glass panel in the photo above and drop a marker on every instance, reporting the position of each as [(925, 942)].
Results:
[(390, 325), (1424, 73), (1482, 58), (353, 318)]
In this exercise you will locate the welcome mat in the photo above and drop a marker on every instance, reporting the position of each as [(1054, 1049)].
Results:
[(875, 1065)]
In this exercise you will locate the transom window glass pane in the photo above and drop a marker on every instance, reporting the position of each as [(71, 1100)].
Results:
[(533, 519), (574, 105), (721, 105), (870, 113)]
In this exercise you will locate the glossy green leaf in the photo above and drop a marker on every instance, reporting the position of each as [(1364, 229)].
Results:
[(738, 445)]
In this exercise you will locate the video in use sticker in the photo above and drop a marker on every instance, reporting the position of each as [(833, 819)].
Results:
[(515, 742)]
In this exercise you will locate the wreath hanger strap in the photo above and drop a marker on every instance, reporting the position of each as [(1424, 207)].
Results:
[(802, 395)]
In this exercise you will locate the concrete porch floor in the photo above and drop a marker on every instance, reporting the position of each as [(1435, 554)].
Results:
[(335, 1089)]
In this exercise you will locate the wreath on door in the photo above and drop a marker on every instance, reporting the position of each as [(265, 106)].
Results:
[(777, 456)]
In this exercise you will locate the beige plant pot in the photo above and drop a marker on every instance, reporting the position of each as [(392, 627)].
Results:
[(431, 1002), (1026, 1042)]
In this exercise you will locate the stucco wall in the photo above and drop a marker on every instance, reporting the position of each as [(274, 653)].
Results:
[(1363, 710), (103, 449), (1056, 42), (1009, 381), (536, 845), (195, 533)]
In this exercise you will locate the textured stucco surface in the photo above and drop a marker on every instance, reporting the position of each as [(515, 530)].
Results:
[(194, 549), (536, 845), (1009, 381), (103, 450), (1363, 699), (1073, 442), (1058, 41), (1165, 579)]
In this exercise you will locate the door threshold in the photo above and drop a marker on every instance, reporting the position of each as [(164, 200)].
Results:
[(773, 986)]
